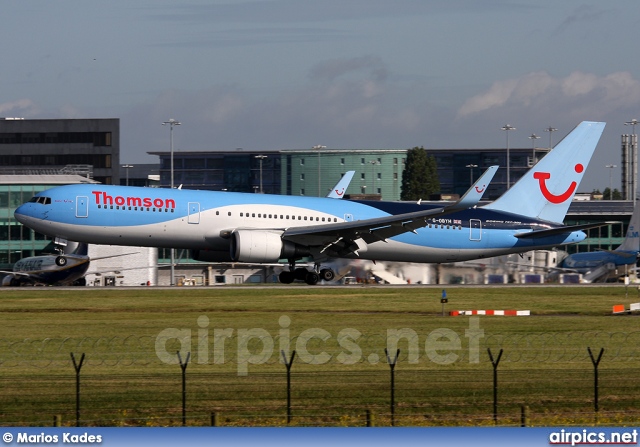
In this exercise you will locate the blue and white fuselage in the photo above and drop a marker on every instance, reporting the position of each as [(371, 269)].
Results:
[(205, 221)]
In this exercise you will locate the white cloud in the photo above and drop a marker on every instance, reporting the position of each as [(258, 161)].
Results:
[(19, 108), (577, 92)]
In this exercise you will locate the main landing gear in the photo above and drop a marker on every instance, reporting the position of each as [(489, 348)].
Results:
[(311, 277)]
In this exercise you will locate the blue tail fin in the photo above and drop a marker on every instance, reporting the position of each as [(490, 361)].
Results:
[(632, 238), (338, 191), (546, 190)]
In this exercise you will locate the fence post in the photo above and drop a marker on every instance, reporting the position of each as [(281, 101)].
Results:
[(183, 366), (77, 366), (57, 420), (495, 383), (392, 365), (214, 419), (524, 416), (369, 418), (288, 363), (595, 362)]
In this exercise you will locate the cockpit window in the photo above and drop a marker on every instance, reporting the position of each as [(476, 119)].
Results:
[(41, 199)]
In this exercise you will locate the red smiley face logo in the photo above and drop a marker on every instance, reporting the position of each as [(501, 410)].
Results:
[(553, 198), (480, 191), (339, 193)]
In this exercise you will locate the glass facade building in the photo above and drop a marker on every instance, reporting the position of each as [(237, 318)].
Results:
[(56, 143)]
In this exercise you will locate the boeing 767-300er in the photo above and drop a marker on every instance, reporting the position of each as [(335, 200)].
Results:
[(261, 228)]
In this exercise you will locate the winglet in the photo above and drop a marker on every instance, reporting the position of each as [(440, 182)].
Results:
[(337, 192), (477, 190)]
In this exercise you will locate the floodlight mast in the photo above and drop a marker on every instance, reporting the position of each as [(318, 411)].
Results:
[(171, 123), (507, 128)]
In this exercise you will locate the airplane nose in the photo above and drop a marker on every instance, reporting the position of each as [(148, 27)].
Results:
[(19, 213), (23, 213)]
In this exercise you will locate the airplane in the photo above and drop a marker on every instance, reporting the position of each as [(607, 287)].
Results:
[(262, 228), (62, 269), (603, 264)]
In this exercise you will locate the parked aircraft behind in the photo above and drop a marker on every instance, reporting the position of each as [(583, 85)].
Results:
[(62, 269), (341, 187), (605, 264), (260, 228)]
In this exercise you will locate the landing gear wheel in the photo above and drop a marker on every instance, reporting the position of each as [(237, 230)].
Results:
[(286, 277), (61, 261), (300, 273), (327, 274), (312, 278)]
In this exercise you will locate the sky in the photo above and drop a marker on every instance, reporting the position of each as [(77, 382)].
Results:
[(346, 74)]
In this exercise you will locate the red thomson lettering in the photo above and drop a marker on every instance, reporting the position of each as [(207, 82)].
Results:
[(102, 198), (134, 201)]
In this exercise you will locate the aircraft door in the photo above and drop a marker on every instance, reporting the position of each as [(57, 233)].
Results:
[(475, 229), (82, 206), (194, 213)]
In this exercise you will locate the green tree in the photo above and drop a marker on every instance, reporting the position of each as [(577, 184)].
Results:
[(609, 195), (420, 175), (606, 195)]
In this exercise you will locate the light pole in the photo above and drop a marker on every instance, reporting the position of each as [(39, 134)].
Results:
[(261, 157), (507, 128), (318, 148), (126, 169), (632, 123), (471, 166), (550, 130), (373, 174), (533, 137), (171, 123), (611, 167), (634, 148)]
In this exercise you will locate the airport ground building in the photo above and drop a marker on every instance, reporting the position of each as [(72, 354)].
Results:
[(59, 143), (312, 172)]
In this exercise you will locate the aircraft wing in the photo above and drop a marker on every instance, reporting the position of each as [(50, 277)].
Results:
[(114, 256), (560, 230), (7, 272), (337, 192), (343, 235)]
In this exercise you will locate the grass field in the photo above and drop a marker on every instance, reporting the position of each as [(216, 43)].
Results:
[(443, 374)]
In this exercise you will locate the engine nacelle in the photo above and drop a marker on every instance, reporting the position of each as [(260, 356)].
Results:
[(263, 246), (10, 281)]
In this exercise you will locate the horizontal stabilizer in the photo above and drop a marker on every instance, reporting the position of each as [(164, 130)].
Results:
[(560, 230)]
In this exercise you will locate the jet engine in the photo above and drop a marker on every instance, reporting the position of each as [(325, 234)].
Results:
[(263, 246), (10, 281)]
